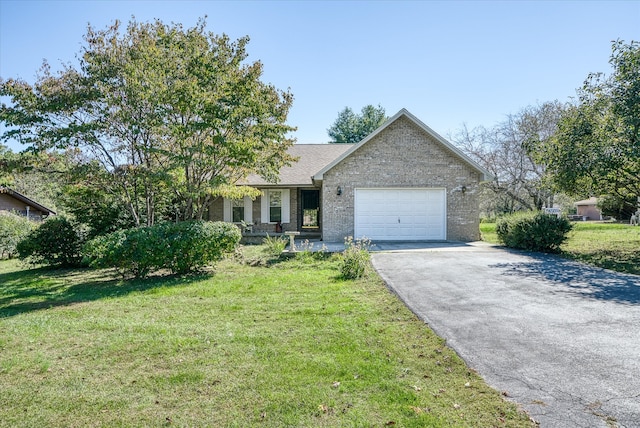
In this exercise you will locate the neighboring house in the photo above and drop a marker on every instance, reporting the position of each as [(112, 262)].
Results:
[(16, 202), (403, 182), (588, 209)]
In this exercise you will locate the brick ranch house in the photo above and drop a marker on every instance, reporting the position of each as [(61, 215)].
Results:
[(17, 203), (403, 182)]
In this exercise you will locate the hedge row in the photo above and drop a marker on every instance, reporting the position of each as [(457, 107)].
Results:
[(179, 247)]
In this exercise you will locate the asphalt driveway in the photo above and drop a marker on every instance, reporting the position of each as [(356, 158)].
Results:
[(560, 338)]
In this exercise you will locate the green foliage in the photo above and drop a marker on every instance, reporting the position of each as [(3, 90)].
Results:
[(133, 252), (533, 231), (596, 149), (56, 242), (350, 127), (5, 154), (617, 207), (13, 229), (39, 175), (180, 247), (161, 110), (354, 260), (275, 245), (100, 212), (195, 244), (10, 162)]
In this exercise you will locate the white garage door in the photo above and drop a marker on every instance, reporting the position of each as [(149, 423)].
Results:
[(401, 214)]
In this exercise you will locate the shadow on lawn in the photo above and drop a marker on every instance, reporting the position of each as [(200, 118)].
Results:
[(42, 288), (577, 278), (620, 260)]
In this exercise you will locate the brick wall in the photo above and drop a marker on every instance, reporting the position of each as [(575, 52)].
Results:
[(402, 155), (216, 210)]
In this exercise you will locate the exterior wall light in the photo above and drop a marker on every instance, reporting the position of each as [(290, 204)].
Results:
[(339, 191)]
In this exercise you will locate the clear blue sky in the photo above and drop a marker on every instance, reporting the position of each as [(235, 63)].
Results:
[(448, 63)]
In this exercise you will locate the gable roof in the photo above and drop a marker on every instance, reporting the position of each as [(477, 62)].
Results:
[(311, 159), (19, 196), (486, 175)]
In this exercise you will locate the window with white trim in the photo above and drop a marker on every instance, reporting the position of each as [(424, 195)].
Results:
[(238, 210), (275, 206)]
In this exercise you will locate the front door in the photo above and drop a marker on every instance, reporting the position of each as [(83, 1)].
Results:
[(310, 209)]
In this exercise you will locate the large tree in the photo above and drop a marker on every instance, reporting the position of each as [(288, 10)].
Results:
[(350, 127), (506, 151), (161, 110), (597, 147)]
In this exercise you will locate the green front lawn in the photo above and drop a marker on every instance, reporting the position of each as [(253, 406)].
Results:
[(607, 245), (287, 345)]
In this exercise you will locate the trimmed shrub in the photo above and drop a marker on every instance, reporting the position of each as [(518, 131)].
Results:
[(131, 252), (355, 258), (533, 231), (180, 247), (191, 245), (56, 242), (13, 229)]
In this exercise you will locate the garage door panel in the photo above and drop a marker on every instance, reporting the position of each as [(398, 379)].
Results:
[(422, 205), (377, 231), (405, 198), (400, 214), (407, 233)]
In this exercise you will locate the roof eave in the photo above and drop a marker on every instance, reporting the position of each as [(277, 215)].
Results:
[(19, 196), (486, 175), (279, 185)]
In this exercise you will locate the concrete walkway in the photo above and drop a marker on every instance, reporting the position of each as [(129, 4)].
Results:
[(560, 338)]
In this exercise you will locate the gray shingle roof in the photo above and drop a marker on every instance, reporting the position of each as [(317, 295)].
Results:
[(312, 159)]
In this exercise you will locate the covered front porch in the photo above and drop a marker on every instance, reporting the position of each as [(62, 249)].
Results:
[(277, 211)]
